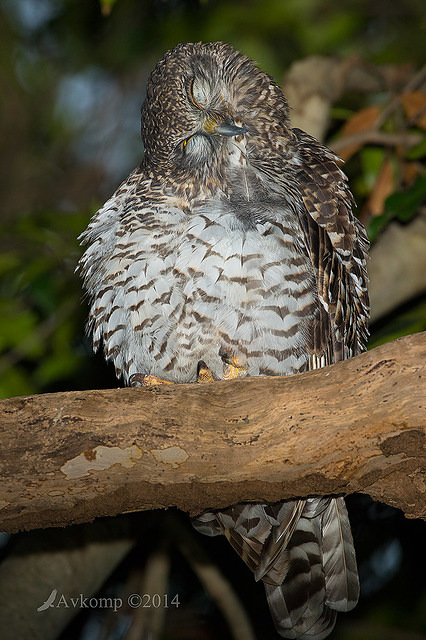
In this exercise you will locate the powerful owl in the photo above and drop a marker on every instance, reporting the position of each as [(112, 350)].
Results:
[(231, 251)]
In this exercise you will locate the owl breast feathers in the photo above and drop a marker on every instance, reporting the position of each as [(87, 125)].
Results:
[(233, 249)]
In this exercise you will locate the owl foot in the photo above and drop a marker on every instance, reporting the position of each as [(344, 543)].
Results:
[(142, 380), (233, 367), (204, 374)]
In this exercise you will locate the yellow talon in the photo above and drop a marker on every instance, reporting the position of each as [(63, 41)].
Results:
[(204, 374), (234, 368), (142, 380)]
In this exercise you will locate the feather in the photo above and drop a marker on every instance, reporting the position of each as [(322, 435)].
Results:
[(273, 562), (341, 576), (298, 604)]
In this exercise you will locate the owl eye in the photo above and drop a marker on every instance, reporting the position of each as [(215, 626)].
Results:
[(185, 143), (189, 143), (198, 94)]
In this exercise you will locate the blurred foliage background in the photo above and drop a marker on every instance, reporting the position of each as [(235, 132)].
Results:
[(72, 79)]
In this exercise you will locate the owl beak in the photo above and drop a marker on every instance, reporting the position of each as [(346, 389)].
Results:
[(226, 127)]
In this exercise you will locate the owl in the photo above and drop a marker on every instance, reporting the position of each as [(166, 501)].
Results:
[(232, 250)]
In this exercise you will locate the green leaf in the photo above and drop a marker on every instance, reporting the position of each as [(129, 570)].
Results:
[(403, 205), (15, 382), (19, 330), (412, 321), (377, 224), (418, 151), (8, 261), (371, 161)]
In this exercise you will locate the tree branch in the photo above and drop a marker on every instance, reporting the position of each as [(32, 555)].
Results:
[(373, 136), (355, 426)]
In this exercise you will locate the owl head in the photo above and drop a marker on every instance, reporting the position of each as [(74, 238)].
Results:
[(200, 99)]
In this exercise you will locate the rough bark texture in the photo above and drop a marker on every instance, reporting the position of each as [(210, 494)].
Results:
[(355, 426)]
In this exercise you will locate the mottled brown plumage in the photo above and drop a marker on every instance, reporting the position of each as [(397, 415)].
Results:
[(233, 250)]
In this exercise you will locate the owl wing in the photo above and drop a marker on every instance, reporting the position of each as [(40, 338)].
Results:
[(337, 244)]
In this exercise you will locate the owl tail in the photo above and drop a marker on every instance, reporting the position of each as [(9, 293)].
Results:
[(303, 551)]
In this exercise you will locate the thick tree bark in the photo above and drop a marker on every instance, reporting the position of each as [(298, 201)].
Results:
[(355, 426)]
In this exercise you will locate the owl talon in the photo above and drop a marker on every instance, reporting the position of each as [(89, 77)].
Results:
[(204, 374), (231, 371), (142, 380), (233, 367)]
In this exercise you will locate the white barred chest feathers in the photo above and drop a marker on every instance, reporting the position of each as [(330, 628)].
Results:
[(208, 284)]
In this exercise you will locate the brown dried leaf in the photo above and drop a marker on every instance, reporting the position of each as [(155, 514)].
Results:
[(410, 171), (361, 121), (414, 104), (383, 187)]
